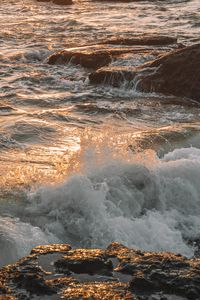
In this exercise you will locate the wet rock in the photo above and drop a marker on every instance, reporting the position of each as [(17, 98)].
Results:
[(59, 2), (91, 261), (90, 60), (96, 291), (63, 2), (154, 272), (176, 73), (7, 297), (121, 1), (114, 76), (33, 283), (53, 248), (143, 41), (91, 275)]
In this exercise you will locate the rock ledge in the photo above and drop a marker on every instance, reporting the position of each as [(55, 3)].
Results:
[(60, 272)]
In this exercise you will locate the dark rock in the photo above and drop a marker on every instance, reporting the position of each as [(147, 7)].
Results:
[(90, 60), (151, 275), (59, 2), (176, 73), (33, 283), (63, 2), (143, 41), (141, 283), (114, 76), (91, 261)]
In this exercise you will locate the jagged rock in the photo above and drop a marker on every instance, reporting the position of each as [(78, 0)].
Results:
[(114, 76), (91, 60), (59, 2), (132, 275), (176, 73), (153, 272)]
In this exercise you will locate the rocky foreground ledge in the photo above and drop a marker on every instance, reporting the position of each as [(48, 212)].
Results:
[(59, 272)]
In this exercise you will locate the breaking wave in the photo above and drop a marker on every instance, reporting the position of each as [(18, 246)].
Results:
[(153, 207)]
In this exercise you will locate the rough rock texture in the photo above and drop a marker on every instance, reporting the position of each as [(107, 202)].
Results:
[(59, 272), (59, 2), (176, 73), (91, 60), (114, 76)]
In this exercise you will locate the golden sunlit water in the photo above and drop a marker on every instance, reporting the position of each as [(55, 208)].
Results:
[(75, 158)]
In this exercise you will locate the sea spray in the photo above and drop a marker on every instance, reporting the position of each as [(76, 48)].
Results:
[(17, 238), (153, 208)]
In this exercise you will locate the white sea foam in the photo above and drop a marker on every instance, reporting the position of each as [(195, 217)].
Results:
[(152, 208), (29, 55), (18, 238)]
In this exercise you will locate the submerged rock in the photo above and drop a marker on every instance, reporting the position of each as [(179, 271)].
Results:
[(90, 60), (154, 40), (176, 73), (114, 76), (59, 2), (114, 273)]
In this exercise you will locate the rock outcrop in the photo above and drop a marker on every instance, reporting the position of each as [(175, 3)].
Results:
[(58, 2), (60, 272), (176, 73), (101, 54), (154, 40), (90, 60)]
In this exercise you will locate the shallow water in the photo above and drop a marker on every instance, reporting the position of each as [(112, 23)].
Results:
[(90, 164)]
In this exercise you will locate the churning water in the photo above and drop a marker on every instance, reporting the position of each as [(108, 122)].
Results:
[(89, 165)]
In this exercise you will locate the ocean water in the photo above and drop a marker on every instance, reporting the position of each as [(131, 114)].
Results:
[(84, 164)]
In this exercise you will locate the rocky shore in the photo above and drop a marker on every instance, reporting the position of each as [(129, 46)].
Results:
[(59, 272), (174, 69), (176, 72)]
